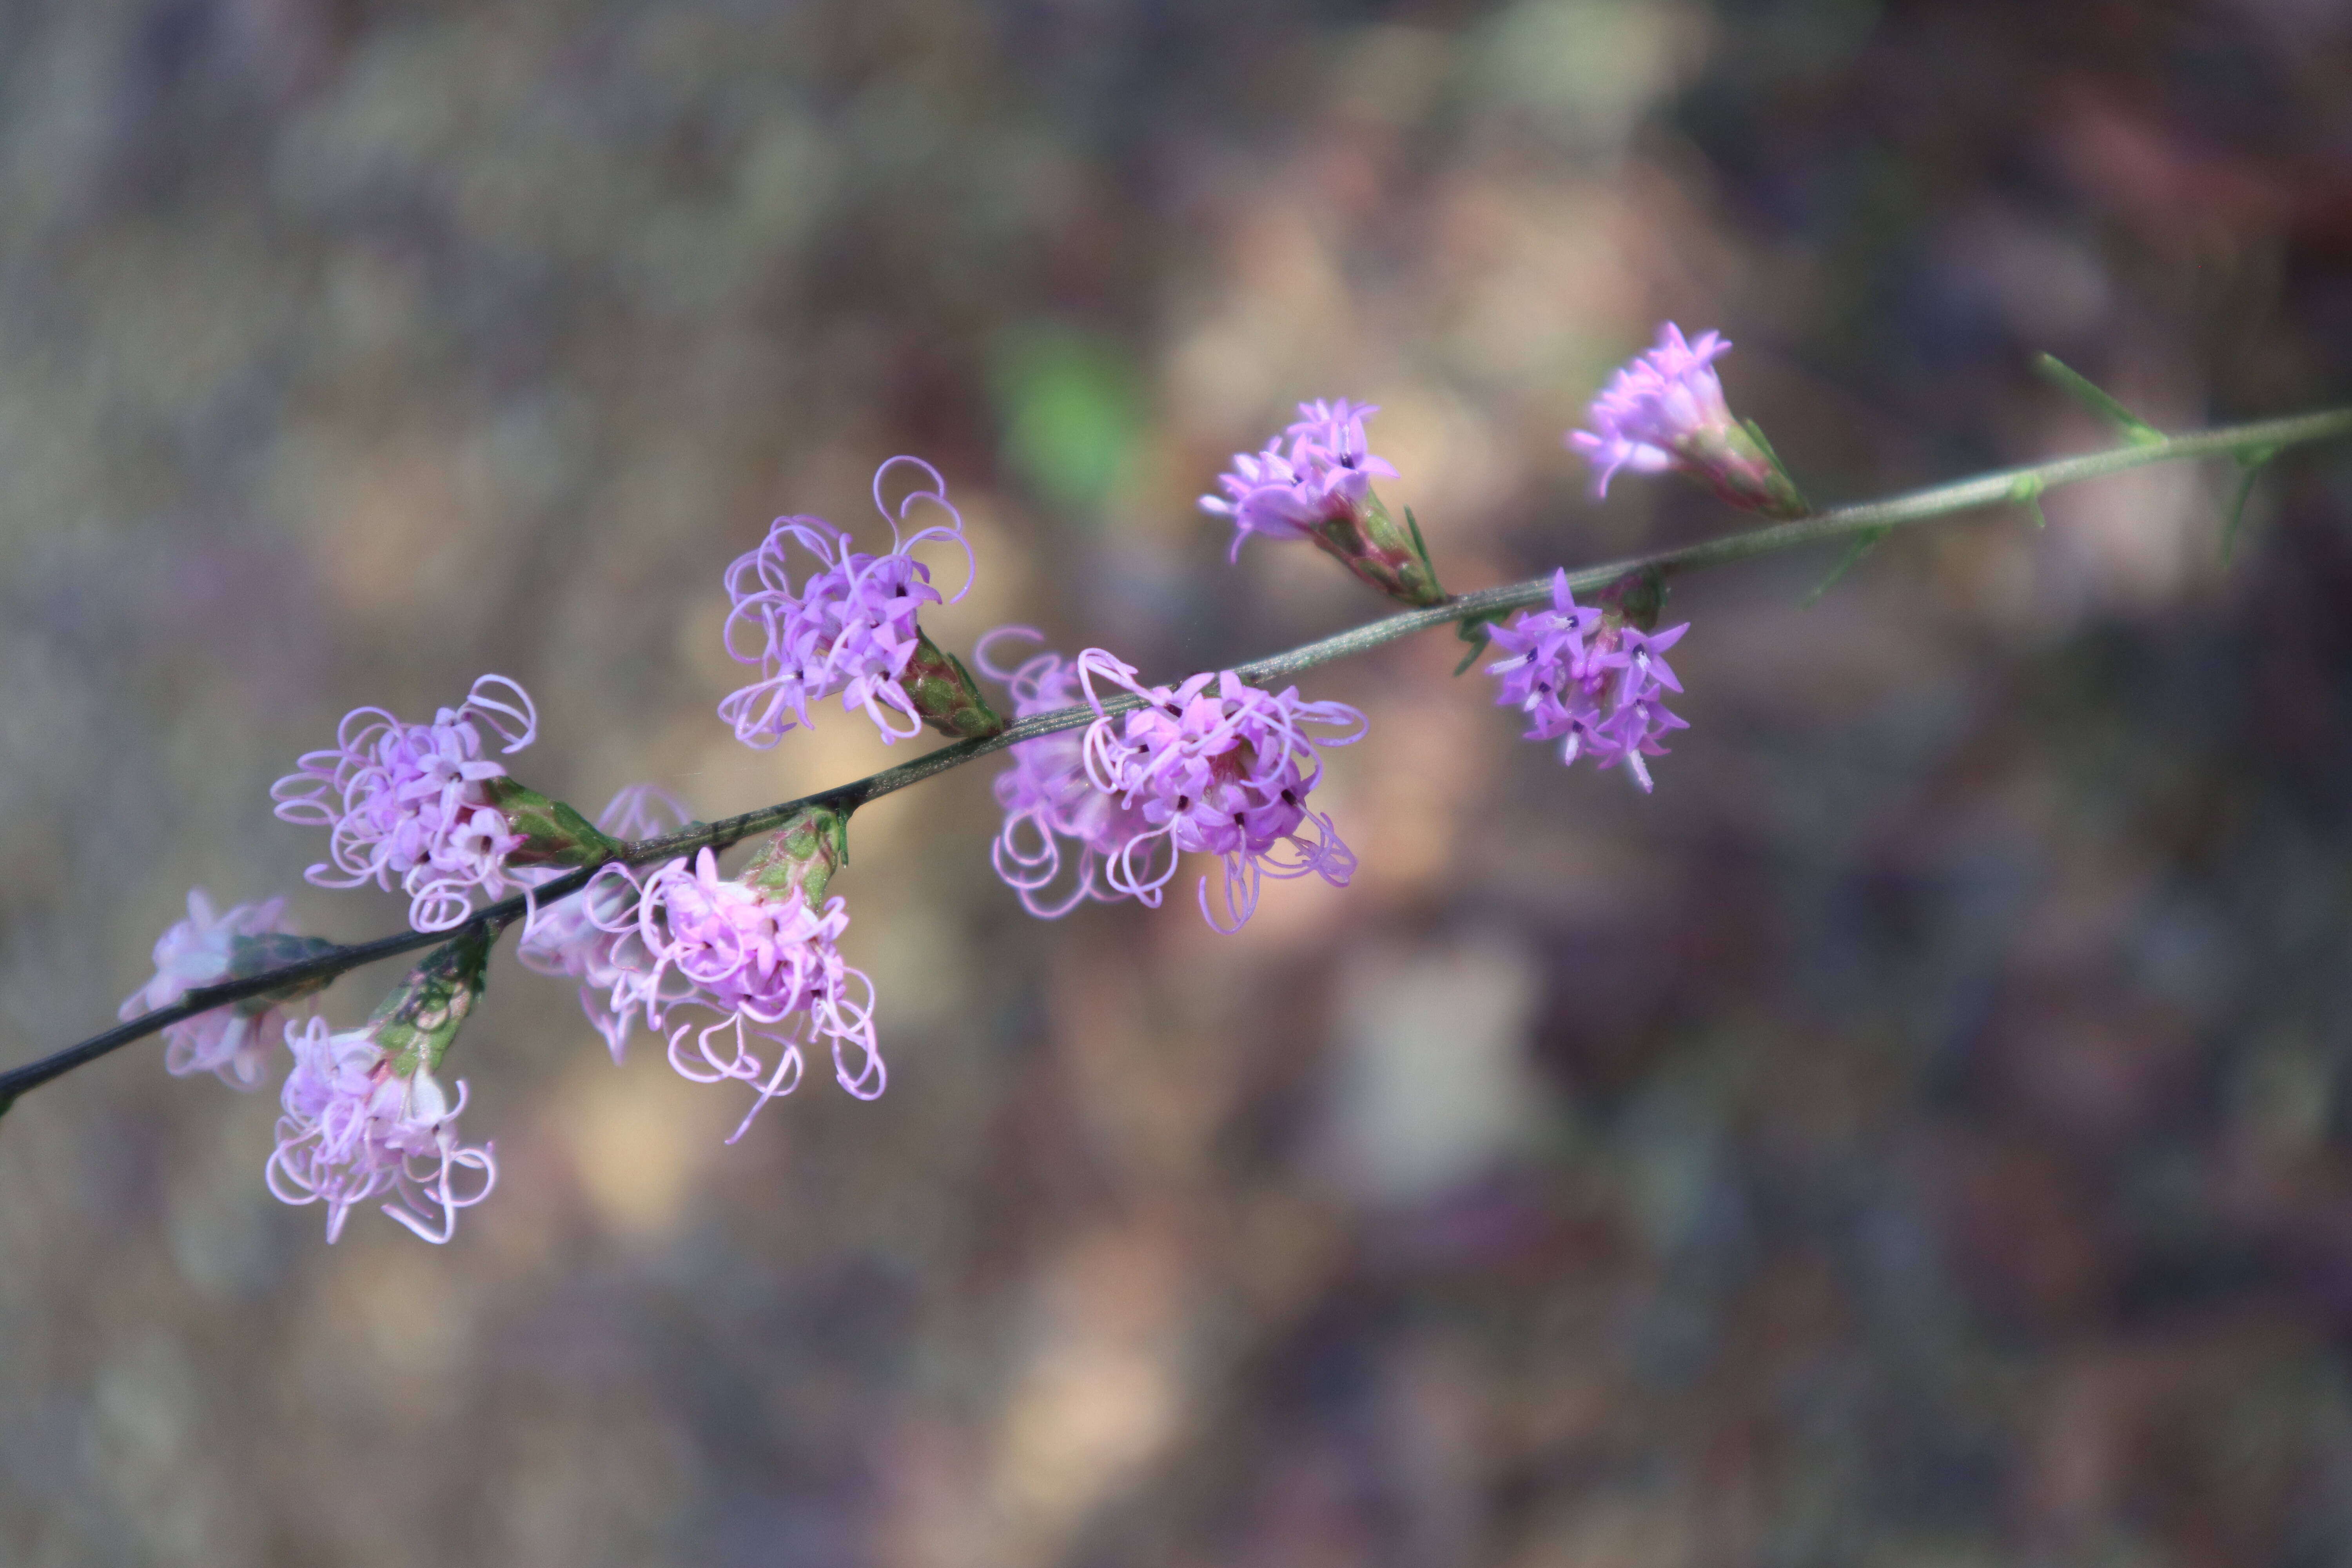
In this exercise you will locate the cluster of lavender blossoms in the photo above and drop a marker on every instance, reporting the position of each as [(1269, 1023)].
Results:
[(362, 1115), (415, 803), (850, 626), (1318, 471), (1586, 678), (1665, 410), (741, 975), (1215, 766), (1314, 482), (758, 952), (356, 1127)]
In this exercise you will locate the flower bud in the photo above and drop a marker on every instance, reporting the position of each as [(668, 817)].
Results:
[(553, 833), (945, 695), (415, 1025), (802, 855)]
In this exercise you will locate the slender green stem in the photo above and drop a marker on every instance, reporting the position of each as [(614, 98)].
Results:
[(1993, 490)]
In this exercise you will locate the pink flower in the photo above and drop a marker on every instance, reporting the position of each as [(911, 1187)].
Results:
[(763, 960), (1219, 766), (352, 1129), (1665, 409), (1588, 680), (849, 628), (1653, 402), (1047, 795), (412, 803), (232, 1042), (1323, 475), (591, 936)]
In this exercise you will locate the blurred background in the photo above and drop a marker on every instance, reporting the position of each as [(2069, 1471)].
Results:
[(1921, 1132)]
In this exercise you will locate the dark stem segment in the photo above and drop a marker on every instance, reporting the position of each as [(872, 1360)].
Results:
[(1993, 490)]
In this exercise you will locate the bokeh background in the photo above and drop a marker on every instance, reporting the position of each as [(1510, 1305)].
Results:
[(1918, 1133)]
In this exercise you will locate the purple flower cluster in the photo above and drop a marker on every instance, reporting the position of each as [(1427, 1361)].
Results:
[(352, 1128), (1652, 407), (1665, 409), (1047, 795), (229, 1042), (644, 944), (849, 628), (765, 962), (591, 937), (410, 803), (1588, 680), (1218, 766), (1317, 470)]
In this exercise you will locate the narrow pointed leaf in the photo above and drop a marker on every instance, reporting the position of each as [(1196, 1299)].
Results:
[(1472, 629), (2027, 492), (1862, 546), (1419, 543), (2252, 463), (2136, 430), (1762, 440)]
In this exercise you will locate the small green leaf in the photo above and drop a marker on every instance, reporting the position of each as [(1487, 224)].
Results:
[(1419, 543), (2251, 461), (1863, 544), (2027, 492), (2136, 430), (1472, 629)]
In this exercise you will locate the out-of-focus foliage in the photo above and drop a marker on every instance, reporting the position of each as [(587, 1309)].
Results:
[(1916, 1134)]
